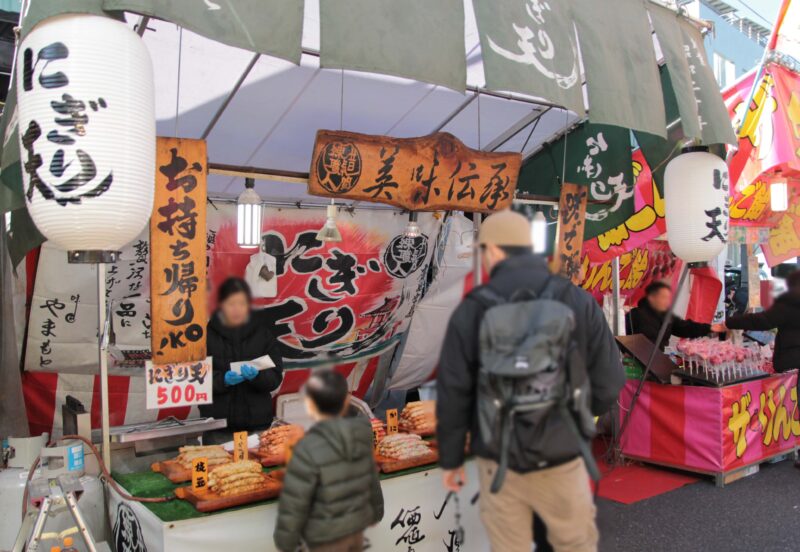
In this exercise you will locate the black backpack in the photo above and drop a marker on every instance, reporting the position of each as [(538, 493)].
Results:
[(530, 368)]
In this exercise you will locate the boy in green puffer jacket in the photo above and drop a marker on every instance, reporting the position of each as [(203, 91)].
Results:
[(331, 491)]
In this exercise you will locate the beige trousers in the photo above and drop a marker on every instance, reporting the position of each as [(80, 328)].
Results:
[(561, 496)]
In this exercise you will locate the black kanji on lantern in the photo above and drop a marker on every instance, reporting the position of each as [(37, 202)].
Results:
[(713, 225)]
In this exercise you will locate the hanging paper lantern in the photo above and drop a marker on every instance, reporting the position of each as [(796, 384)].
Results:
[(87, 131), (696, 203)]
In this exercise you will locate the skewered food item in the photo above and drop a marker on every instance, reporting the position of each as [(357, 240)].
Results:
[(419, 417), (237, 478), (719, 360), (273, 442), (402, 446), (378, 429), (215, 454)]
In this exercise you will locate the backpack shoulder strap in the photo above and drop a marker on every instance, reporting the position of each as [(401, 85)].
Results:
[(487, 297), (555, 288)]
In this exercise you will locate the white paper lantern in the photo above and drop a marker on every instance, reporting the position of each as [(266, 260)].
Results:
[(87, 131), (696, 204)]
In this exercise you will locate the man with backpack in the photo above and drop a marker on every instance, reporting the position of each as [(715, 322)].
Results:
[(527, 361)]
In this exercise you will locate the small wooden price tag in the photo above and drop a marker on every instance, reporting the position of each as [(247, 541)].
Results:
[(200, 474), (240, 452), (391, 421), (375, 440)]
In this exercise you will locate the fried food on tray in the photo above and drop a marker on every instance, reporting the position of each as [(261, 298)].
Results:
[(246, 466), (378, 429), (273, 442), (237, 478), (419, 416), (402, 446), (215, 455)]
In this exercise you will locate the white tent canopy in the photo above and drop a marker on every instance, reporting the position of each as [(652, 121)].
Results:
[(270, 119)]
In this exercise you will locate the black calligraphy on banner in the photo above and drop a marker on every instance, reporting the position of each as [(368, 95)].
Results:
[(404, 255), (572, 218), (178, 244), (429, 173), (331, 279), (67, 128), (54, 307), (407, 525)]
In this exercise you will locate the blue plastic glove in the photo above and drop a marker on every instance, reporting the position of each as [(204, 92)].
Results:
[(232, 378), (249, 372)]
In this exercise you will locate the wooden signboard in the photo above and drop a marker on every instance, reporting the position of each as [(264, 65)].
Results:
[(178, 252), (200, 474), (430, 173), (392, 422), (240, 452), (571, 222)]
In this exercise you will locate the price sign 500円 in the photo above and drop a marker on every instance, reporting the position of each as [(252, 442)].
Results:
[(179, 384)]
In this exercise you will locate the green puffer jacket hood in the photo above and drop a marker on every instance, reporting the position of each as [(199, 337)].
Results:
[(331, 489)]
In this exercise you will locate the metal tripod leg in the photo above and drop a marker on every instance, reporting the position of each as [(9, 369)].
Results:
[(72, 504), (37, 523)]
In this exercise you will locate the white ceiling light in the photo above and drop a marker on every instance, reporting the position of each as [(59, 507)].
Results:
[(412, 229), (248, 216), (329, 231)]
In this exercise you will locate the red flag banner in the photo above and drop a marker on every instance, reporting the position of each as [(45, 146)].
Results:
[(769, 142)]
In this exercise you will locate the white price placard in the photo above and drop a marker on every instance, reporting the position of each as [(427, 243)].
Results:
[(179, 384)]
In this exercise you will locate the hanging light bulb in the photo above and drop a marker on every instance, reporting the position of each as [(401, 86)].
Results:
[(329, 231), (779, 195), (248, 216), (412, 228), (539, 232)]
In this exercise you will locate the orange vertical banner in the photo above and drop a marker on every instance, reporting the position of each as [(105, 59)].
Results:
[(571, 221), (178, 252)]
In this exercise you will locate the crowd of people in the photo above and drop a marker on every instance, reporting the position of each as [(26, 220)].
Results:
[(527, 362)]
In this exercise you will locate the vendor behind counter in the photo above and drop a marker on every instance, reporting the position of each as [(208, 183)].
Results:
[(237, 333), (647, 317), (784, 316)]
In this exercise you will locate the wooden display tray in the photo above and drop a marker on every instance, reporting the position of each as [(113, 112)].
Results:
[(391, 465), (175, 471), (209, 501)]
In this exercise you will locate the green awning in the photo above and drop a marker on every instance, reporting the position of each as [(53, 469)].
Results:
[(13, 6)]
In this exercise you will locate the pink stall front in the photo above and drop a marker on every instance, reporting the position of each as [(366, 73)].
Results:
[(723, 431)]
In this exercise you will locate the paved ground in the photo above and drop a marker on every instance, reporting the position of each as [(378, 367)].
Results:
[(760, 513)]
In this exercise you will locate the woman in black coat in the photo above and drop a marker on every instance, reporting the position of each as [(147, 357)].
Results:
[(236, 333), (784, 314), (647, 317)]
